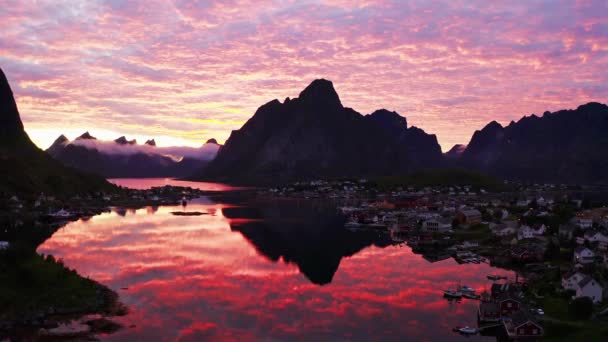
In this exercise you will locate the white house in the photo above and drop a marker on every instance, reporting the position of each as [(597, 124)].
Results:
[(525, 232), (589, 287), (503, 230), (571, 279), (540, 230), (582, 222), (595, 236), (439, 225), (4, 245), (583, 255)]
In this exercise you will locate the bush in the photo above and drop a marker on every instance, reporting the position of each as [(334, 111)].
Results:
[(581, 308)]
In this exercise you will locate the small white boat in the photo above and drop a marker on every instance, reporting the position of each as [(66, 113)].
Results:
[(452, 294), (468, 331), (467, 289)]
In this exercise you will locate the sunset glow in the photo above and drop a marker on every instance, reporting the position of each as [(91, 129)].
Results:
[(186, 71)]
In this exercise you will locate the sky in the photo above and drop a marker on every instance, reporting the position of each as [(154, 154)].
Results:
[(185, 71)]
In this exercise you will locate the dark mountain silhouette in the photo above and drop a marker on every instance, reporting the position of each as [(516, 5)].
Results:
[(122, 164), (27, 171), (85, 136), (314, 136), (564, 146), (123, 141), (455, 152), (212, 141)]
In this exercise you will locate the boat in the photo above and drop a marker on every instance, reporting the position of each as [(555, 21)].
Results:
[(452, 294), (468, 331), (466, 289), (470, 295), (184, 201)]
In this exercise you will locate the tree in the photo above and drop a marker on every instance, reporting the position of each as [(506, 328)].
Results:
[(581, 308)]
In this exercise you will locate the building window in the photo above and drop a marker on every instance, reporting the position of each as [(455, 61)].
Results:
[(535, 331)]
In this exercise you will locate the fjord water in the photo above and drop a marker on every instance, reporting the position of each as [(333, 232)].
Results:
[(250, 269)]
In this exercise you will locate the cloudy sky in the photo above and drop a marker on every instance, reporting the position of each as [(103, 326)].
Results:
[(184, 71)]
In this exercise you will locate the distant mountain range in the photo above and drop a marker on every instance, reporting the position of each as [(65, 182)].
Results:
[(564, 146), (124, 158), (25, 170), (314, 136)]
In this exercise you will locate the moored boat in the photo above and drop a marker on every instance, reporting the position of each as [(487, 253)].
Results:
[(452, 294), (468, 331)]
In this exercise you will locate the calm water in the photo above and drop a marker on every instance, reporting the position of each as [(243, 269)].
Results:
[(264, 270), (147, 183)]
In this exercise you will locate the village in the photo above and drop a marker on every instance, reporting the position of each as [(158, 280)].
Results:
[(555, 241)]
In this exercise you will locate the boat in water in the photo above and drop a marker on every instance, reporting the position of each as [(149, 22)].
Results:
[(469, 295), (466, 289), (466, 330), (452, 294)]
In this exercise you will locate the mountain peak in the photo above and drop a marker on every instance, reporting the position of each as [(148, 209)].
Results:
[(388, 119), (86, 136), (492, 126), (592, 106), (123, 141), (62, 139), (319, 94), (456, 151), (10, 122), (150, 142), (211, 141)]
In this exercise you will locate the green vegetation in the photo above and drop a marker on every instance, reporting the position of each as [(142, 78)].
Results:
[(477, 232), (33, 284), (574, 331), (444, 177), (28, 171), (581, 308)]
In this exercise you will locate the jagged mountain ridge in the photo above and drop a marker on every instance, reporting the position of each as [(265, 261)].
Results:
[(122, 163), (564, 146), (314, 136)]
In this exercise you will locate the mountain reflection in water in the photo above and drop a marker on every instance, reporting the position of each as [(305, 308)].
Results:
[(309, 234), (252, 271)]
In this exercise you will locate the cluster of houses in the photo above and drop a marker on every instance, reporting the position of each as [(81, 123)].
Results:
[(505, 306)]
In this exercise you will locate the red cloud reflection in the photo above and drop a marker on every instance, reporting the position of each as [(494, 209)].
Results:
[(193, 278)]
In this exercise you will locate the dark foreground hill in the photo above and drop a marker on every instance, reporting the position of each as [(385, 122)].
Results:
[(26, 170)]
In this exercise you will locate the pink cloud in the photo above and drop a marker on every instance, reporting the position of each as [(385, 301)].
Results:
[(168, 67)]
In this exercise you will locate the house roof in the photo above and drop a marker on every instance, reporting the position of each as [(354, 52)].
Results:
[(586, 280), (470, 212), (580, 249), (591, 232), (521, 317), (570, 274), (506, 296)]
